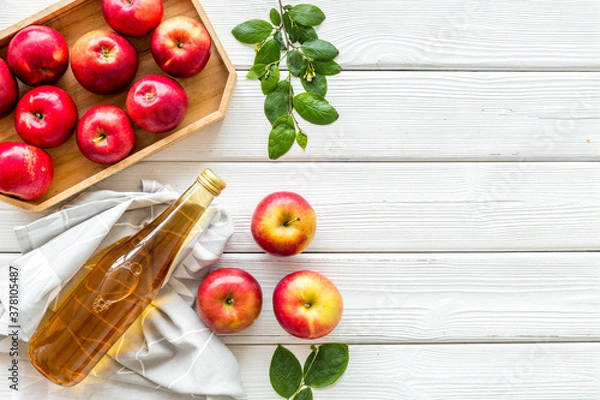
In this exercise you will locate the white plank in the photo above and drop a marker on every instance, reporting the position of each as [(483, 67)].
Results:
[(439, 298), (13, 11), (461, 372), (450, 34), (377, 207), (418, 298), (424, 34), (400, 207), (422, 116)]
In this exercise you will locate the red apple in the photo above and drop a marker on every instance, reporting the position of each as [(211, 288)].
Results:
[(26, 171), (157, 103), (103, 62), (283, 224), (307, 304), (229, 300), (181, 46), (46, 117), (132, 17), (9, 90), (105, 134), (38, 55)]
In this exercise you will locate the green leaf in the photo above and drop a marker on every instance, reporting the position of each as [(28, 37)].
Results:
[(302, 139), (252, 31), (306, 34), (329, 365), (284, 120), (294, 34), (304, 394), (309, 360), (277, 103), (294, 62), (318, 85), (315, 109), (279, 39), (287, 21), (268, 53), (275, 17), (327, 67), (270, 79), (285, 371), (319, 50), (291, 28), (281, 140), (307, 15), (257, 71)]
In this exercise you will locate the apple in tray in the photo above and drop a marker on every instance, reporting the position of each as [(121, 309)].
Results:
[(26, 171), (46, 117), (38, 55), (229, 300), (283, 224), (105, 134), (103, 62), (9, 90), (181, 46), (134, 18), (307, 304), (157, 103)]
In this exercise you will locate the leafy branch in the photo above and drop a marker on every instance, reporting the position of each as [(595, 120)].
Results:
[(322, 368), (290, 35)]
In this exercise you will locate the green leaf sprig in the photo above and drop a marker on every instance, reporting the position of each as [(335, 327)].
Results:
[(322, 368), (290, 36)]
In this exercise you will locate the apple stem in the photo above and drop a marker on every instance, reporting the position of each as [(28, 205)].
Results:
[(99, 138), (39, 115), (288, 223), (229, 301), (307, 305)]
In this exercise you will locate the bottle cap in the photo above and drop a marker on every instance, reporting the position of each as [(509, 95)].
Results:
[(211, 182)]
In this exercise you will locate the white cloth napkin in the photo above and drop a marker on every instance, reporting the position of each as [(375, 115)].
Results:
[(168, 347)]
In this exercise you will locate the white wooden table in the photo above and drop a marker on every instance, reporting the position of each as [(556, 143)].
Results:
[(458, 196)]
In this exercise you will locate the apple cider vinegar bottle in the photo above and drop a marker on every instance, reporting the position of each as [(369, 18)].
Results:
[(120, 285)]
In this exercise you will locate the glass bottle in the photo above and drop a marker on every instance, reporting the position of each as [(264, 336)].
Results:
[(117, 289)]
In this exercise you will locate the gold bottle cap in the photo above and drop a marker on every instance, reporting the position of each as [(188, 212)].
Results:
[(211, 181)]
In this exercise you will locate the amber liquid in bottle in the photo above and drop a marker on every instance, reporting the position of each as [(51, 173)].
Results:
[(117, 290)]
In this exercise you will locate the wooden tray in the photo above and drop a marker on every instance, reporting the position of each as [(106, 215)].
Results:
[(209, 94)]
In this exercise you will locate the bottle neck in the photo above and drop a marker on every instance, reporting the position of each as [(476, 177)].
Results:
[(196, 194), (182, 219), (176, 222)]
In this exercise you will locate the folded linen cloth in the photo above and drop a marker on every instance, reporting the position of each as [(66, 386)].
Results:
[(168, 346)]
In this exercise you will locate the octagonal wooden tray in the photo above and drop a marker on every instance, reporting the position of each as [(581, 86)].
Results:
[(209, 94)]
